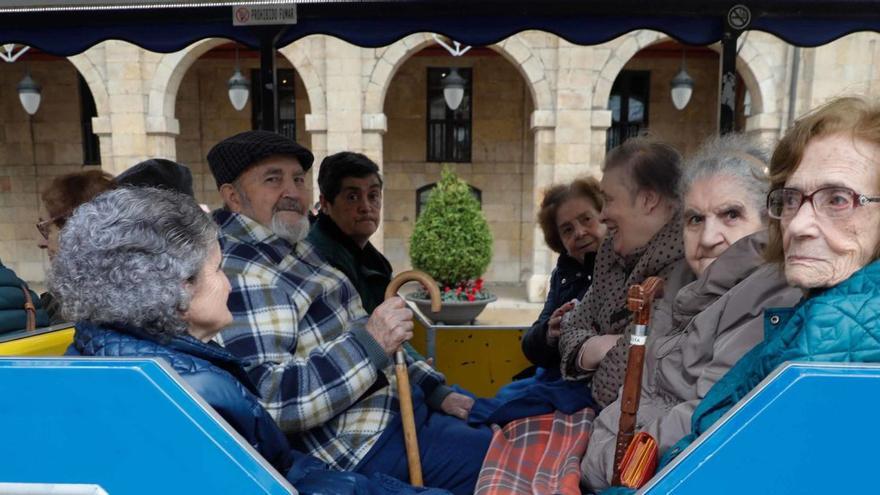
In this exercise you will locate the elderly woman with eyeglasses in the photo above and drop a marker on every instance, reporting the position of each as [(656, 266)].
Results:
[(825, 234)]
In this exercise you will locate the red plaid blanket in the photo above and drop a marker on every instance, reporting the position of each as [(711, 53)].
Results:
[(539, 455)]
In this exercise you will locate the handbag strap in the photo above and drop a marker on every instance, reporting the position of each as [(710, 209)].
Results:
[(30, 309)]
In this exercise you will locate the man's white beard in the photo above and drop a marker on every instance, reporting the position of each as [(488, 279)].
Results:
[(290, 233)]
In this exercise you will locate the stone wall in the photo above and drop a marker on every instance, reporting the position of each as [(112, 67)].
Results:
[(501, 155), (540, 116)]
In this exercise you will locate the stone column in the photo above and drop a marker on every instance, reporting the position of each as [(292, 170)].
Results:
[(127, 120), (543, 123), (344, 96), (316, 126), (374, 126)]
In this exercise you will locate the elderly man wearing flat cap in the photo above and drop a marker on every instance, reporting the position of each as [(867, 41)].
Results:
[(323, 366)]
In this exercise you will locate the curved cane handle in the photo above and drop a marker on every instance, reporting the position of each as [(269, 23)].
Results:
[(640, 297), (415, 276)]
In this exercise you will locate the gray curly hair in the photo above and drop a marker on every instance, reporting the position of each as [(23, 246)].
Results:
[(734, 155), (125, 256)]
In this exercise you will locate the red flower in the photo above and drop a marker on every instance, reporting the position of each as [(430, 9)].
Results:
[(471, 297), (446, 289)]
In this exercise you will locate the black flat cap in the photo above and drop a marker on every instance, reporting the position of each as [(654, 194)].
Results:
[(158, 172), (232, 156)]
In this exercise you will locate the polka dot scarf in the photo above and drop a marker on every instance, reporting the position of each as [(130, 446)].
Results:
[(603, 308)]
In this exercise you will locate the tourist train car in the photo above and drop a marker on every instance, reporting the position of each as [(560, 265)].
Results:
[(160, 437)]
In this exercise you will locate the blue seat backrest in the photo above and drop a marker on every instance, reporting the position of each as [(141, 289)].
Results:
[(807, 428), (131, 426)]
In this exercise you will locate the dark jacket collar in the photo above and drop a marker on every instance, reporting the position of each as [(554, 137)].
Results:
[(568, 264), (368, 255)]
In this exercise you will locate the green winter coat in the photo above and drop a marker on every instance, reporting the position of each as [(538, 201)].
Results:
[(12, 301)]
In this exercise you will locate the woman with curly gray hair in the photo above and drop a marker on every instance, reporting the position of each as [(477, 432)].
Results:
[(718, 317)]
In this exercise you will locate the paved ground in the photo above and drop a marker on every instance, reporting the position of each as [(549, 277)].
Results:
[(511, 308)]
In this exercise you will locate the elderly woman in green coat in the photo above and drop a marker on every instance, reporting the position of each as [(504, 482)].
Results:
[(825, 233)]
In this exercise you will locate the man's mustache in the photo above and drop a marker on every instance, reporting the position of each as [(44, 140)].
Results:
[(287, 204)]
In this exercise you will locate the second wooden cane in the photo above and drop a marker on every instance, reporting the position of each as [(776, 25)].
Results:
[(404, 392)]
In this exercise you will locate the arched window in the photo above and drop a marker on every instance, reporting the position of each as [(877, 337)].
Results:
[(423, 192)]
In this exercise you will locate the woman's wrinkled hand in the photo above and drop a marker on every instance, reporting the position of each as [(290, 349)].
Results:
[(554, 324), (458, 405)]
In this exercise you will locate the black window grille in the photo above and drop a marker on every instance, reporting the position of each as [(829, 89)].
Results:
[(449, 131), (423, 192), (286, 102), (629, 106), (91, 146)]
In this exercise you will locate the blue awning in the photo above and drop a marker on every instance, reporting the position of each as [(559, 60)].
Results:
[(474, 22)]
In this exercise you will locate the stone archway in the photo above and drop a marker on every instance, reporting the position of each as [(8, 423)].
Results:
[(529, 64), (101, 123), (533, 71), (163, 127), (752, 66)]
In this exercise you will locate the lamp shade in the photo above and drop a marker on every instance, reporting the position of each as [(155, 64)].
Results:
[(682, 87), (453, 89), (29, 94), (239, 90)]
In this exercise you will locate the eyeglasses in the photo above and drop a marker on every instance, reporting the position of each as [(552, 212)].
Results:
[(44, 226), (830, 202)]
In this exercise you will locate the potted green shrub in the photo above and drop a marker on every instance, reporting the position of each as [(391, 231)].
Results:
[(452, 243)]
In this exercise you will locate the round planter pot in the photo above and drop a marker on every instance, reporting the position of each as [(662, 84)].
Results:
[(452, 312)]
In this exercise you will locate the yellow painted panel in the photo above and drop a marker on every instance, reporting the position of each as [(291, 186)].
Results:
[(42, 344), (480, 359)]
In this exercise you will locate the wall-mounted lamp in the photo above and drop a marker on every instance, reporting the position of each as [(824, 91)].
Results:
[(239, 87), (453, 89), (29, 93), (682, 86)]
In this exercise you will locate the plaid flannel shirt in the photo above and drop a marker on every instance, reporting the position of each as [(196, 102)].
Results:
[(299, 322)]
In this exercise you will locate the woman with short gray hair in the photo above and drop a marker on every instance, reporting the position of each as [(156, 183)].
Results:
[(717, 318), (134, 256)]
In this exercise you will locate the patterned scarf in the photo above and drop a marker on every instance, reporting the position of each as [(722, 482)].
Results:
[(603, 309)]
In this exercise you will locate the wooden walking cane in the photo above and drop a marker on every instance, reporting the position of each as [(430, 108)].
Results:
[(638, 300), (404, 391)]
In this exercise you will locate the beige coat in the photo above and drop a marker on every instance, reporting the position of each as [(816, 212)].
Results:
[(716, 320)]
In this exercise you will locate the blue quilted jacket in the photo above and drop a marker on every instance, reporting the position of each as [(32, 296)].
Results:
[(212, 371), (840, 324), (218, 377)]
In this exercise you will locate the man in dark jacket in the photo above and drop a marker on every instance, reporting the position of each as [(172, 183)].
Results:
[(351, 209)]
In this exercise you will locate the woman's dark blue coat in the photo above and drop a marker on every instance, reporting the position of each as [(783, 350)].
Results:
[(570, 280), (219, 378), (214, 373)]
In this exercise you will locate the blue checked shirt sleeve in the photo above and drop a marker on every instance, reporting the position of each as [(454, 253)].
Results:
[(300, 391)]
